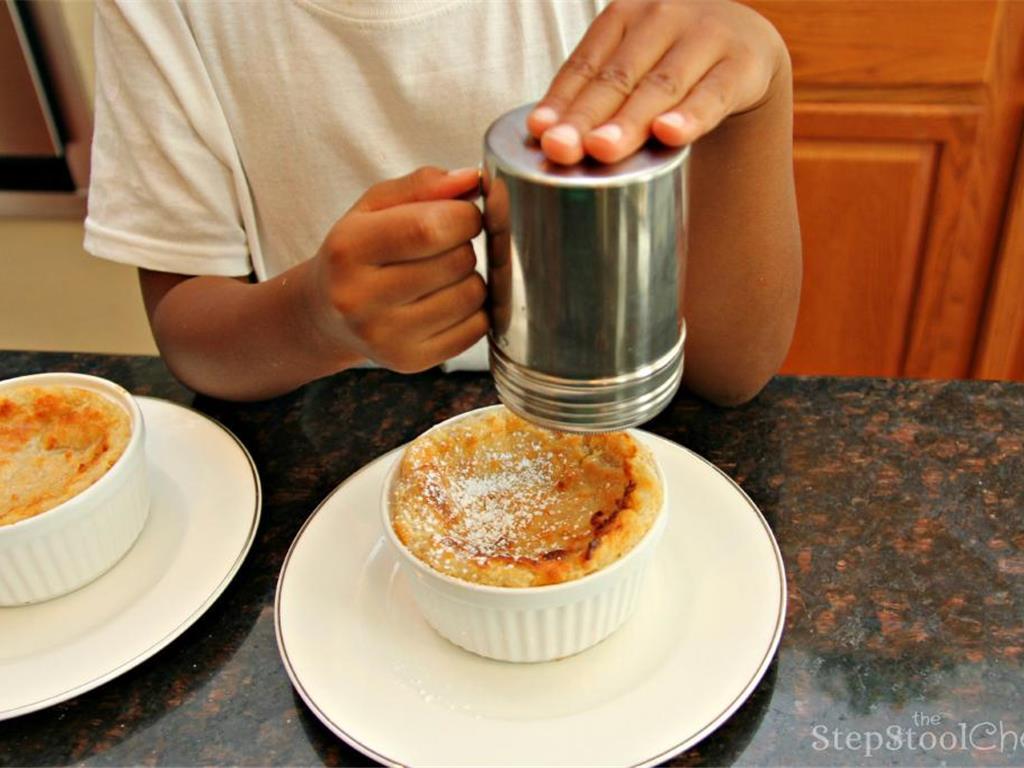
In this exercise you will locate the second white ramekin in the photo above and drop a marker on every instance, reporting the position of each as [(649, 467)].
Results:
[(72, 544), (526, 624)]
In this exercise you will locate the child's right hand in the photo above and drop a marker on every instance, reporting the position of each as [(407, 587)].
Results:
[(395, 278)]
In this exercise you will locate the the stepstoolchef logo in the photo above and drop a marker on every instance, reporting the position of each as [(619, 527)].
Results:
[(925, 733)]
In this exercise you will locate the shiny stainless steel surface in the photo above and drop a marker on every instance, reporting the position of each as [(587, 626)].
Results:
[(585, 273)]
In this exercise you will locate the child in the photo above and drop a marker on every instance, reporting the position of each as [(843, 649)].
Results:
[(230, 137)]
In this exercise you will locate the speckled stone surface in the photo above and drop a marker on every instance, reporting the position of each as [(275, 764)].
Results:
[(898, 506)]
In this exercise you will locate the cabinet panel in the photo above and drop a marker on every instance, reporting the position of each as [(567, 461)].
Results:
[(884, 87), (968, 221), (1001, 347), (956, 258), (892, 43), (863, 208)]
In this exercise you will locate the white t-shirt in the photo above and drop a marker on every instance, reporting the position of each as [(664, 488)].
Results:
[(230, 136)]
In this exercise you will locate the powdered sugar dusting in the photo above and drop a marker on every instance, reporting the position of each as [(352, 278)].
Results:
[(494, 491), (491, 511)]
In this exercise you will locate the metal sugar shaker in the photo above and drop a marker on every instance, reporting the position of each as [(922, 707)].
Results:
[(585, 267)]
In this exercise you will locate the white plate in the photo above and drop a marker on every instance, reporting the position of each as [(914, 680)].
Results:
[(203, 515), (370, 668)]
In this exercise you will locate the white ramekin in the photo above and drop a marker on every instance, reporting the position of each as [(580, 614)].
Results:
[(66, 547), (526, 624)]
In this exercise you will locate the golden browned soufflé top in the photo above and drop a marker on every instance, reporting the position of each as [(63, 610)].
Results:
[(493, 499), (55, 441)]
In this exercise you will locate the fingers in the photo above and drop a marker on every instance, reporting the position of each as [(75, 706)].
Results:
[(408, 231), (580, 68), (673, 69), (456, 339), (423, 184), (442, 309), (400, 271), (428, 332), (707, 104), (661, 89), (407, 282), (604, 93)]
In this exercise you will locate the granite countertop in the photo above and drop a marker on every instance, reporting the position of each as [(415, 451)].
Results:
[(898, 507)]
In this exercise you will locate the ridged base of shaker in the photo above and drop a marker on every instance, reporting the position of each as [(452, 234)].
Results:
[(588, 405)]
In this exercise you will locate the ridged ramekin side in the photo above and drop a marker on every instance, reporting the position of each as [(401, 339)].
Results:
[(77, 541), (48, 561), (527, 634)]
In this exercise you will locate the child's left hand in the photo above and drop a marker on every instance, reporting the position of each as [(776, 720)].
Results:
[(669, 68)]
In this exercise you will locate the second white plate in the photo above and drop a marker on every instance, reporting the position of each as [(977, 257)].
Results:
[(203, 514), (366, 663)]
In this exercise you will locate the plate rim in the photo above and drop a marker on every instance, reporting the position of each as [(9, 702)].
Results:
[(693, 739), (187, 622)]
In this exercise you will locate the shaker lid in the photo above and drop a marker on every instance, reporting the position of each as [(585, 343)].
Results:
[(509, 144)]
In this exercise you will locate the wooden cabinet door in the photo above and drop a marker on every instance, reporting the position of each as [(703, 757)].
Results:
[(1001, 349), (876, 238), (907, 119), (863, 208)]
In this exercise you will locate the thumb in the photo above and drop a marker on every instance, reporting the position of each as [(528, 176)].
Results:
[(427, 183)]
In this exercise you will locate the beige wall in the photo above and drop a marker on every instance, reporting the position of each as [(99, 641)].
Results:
[(54, 296), (78, 18)]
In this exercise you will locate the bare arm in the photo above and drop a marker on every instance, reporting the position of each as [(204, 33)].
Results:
[(236, 340), (393, 282), (744, 267)]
